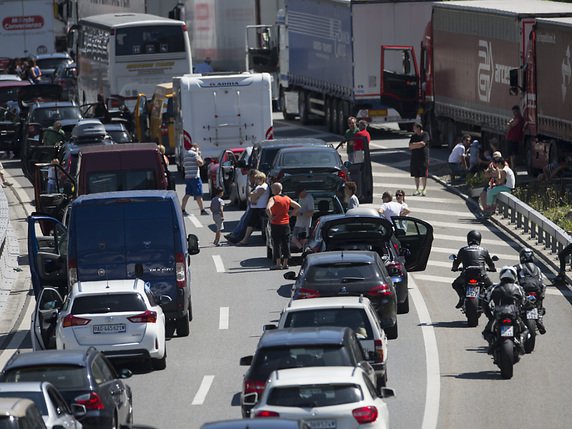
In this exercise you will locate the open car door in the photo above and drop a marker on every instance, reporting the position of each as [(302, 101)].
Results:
[(141, 118), (47, 254), (416, 236), (44, 319), (54, 189)]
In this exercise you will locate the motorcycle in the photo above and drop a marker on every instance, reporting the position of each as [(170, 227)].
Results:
[(475, 290), (531, 313), (507, 341)]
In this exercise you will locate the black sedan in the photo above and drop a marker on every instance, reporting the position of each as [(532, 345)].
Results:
[(352, 273), (83, 377)]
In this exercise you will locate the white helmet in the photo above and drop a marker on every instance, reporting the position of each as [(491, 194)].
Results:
[(508, 273)]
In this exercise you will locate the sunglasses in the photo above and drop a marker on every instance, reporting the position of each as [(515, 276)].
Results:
[(399, 195)]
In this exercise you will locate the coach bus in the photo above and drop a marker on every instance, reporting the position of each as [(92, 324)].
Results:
[(125, 54)]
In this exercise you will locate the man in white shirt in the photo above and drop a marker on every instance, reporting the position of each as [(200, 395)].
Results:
[(391, 208), (458, 158)]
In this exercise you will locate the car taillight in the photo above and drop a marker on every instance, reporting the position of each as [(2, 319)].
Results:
[(180, 270), (365, 414), (378, 350), (473, 281), (506, 321), (72, 272), (304, 293), (71, 320), (394, 268), (265, 413), (91, 401), (342, 174), (254, 386), (147, 317), (380, 290)]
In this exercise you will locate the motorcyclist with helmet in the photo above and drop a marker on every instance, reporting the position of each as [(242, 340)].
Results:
[(472, 255), (506, 293), (530, 277)]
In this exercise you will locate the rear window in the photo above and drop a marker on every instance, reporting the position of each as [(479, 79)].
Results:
[(340, 272), (319, 158), (35, 397), (64, 377), (321, 395), (126, 180), (113, 303), (273, 358), (354, 318), (47, 116), (50, 63), (362, 227)]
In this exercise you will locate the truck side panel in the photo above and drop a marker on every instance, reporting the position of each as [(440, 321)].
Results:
[(554, 78), (320, 49), (473, 53)]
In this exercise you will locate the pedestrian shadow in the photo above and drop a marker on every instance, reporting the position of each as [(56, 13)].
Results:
[(250, 265), (141, 366), (479, 349), (480, 375), (458, 324), (285, 291)]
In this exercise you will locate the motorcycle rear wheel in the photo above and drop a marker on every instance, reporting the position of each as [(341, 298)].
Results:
[(506, 358), (530, 342), (472, 312)]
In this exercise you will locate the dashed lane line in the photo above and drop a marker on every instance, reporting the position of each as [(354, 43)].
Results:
[(463, 239), (204, 388), (453, 251), (223, 318), (195, 221), (219, 265)]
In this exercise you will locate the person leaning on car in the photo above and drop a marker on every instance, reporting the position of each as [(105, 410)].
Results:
[(277, 209)]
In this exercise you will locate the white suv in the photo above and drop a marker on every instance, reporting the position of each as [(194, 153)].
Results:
[(325, 397), (353, 312), (121, 318)]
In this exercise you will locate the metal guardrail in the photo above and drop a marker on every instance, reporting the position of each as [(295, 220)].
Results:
[(524, 217), (4, 220)]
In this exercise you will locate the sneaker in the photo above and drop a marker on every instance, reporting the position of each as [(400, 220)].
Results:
[(416, 193), (204, 212), (423, 193), (217, 244), (285, 267), (185, 213)]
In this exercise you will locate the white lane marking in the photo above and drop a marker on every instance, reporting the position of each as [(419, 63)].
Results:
[(219, 265), (197, 223), (446, 264), (557, 292), (463, 215), (387, 151), (223, 318), (433, 390), (436, 279), (411, 200), (388, 174), (483, 241), (453, 251), (201, 394), (457, 225)]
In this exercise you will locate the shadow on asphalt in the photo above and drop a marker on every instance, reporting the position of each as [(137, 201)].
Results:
[(285, 291), (481, 375), (235, 402), (451, 324)]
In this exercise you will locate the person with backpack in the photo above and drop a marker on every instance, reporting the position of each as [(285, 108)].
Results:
[(530, 278)]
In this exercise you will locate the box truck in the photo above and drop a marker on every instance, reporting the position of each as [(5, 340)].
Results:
[(220, 112), (468, 52)]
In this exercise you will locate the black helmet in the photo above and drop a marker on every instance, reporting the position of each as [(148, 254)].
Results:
[(474, 237), (526, 255)]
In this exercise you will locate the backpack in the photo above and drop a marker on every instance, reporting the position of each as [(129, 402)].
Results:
[(529, 277)]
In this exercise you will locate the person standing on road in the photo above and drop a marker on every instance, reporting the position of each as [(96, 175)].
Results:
[(348, 137), (258, 198), (277, 209), (359, 143), (54, 135), (514, 135), (419, 166), (238, 232), (35, 72), (352, 200), (192, 161), (391, 208), (204, 67), (303, 219)]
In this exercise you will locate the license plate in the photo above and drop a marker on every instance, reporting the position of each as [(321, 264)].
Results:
[(472, 291), (378, 112), (396, 279), (507, 331), (115, 328), (322, 424), (532, 314)]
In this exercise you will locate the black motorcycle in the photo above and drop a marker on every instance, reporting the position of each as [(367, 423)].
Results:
[(507, 339), (531, 313), (475, 290)]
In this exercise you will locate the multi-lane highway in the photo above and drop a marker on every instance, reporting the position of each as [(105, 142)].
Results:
[(438, 366)]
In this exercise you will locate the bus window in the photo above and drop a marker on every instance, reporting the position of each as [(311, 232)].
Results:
[(154, 40)]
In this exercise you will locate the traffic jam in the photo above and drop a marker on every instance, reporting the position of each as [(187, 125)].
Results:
[(132, 144)]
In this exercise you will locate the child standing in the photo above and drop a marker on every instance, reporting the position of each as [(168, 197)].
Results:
[(217, 210)]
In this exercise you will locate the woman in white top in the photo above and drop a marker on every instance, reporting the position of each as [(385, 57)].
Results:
[(258, 199), (504, 182), (391, 208)]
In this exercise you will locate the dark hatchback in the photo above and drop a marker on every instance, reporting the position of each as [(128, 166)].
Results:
[(297, 348), (349, 273), (264, 152), (403, 244), (83, 377)]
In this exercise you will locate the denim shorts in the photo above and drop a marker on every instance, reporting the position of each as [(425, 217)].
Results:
[(194, 187)]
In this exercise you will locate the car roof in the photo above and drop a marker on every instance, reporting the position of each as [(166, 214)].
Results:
[(116, 126), (16, 407), (307, 149), (266, 423), (142, 195), (10, 77), (363, 211), (52, 104), (341, 256), (291, 141), (48, 357), (323, 335), (88, 127), (126, 147), (13, 83), (52, 55), (315, 375), (108, 287), (328, 302), (24, 386)]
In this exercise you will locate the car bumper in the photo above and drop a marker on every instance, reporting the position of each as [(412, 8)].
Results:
[(151, 346)]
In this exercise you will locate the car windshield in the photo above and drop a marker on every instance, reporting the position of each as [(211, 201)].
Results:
[(120, 136), (273, 358), (47, 116), (341, 272), (50, 63), (64, 377), (127, 180), (114, 303), (35, 397), (354, 318), (319, 395)]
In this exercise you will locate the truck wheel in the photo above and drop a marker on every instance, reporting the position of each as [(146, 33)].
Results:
[(303, 108), (287, 116)]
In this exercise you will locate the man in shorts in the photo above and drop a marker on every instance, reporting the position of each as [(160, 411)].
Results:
[(192, 161)]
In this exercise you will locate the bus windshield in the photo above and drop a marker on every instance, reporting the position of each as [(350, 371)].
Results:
[(156, 39)]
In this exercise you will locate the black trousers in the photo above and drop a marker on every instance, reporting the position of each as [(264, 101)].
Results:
[(280, 241)]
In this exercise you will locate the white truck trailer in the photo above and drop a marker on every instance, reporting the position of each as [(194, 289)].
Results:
[(220, 112)]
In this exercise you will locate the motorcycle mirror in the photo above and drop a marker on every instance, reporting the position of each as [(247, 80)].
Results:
[(495, 258), (452, 257)]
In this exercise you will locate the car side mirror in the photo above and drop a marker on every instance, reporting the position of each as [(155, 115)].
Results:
[(193, 244), (290, 275), (250, 399), (269, 327), (347, 164), (246, 360), (125, 373), (387, 392), (78, 410)]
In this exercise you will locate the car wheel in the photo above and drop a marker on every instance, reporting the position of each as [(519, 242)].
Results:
[(160, 363), (381, 380), (190, 310), (403, 307), (391, 332), (183, 328)]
